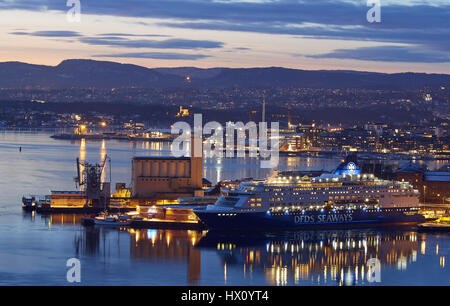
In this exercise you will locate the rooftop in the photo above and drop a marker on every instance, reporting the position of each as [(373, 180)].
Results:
[(437, 176), (410, 167), (160, 158)]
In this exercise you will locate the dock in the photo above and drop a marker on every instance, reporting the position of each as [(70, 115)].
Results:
[(155, 223), (115, 136), (78, 210), (167, 224)]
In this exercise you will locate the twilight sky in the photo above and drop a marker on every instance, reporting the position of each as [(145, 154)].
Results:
[(414, 35)]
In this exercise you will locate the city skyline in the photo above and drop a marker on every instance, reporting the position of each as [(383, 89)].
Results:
[(329, 35)]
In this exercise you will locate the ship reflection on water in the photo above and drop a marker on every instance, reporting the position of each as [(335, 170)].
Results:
[(334, 257), (331, 257)]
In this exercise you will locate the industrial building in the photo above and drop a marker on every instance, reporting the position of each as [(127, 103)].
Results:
[(166, 178)]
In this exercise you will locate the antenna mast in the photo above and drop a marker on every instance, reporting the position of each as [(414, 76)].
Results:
[(264, 108)]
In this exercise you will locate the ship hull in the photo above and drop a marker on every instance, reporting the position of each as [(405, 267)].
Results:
[(308, 220)]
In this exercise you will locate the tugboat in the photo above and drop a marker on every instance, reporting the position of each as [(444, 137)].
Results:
[(29, 202), (35, 202)]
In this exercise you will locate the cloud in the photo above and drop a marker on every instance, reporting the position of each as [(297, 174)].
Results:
[(431, 37), (338, 12), (133, 35), (48, 33), (424, 23), (388, 54), (123, 40), (158, 44), (156, 55)]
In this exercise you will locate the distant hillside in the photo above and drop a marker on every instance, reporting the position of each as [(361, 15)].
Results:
[(78, 73)]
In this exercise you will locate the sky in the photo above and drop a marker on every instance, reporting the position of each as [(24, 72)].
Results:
[(412, 35)]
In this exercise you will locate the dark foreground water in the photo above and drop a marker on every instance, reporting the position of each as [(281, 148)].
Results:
[(34, 248)]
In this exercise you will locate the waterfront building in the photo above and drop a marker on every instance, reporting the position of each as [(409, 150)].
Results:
[(293, 142), (434, 186)]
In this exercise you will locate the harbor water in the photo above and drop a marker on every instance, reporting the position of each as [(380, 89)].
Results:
[(34, 248)]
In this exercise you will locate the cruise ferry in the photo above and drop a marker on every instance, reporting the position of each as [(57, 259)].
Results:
[(344, 198)]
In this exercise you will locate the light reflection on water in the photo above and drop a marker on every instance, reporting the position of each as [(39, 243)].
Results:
[(187, 257), (317, 257), (34, 248)]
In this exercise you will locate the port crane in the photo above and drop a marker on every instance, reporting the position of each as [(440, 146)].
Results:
[(89, 179)]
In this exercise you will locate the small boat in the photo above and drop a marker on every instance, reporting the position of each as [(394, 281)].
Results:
[(434, 226), (112, 220), (107, 220)]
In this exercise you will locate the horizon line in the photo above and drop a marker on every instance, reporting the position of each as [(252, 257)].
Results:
[(218, 67)]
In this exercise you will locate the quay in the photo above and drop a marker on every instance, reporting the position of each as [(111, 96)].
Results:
[(79, 210), (153, 136), (434, 227), (156, 224), (433, 211), (167, 224), (176, 216)]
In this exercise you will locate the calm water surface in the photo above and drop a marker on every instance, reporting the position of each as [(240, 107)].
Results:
[(34, 248)]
